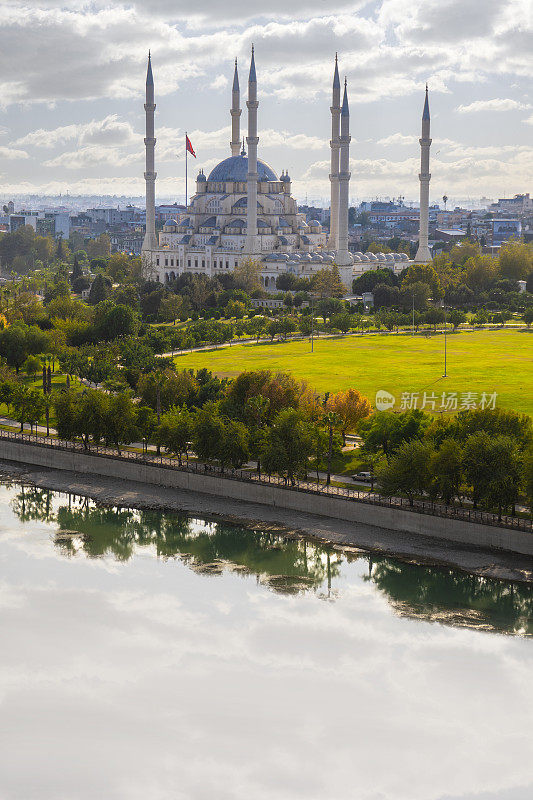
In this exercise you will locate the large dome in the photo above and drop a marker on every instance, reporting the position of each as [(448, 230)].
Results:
[(235, 168)]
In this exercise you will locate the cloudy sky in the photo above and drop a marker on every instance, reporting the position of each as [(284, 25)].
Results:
[(71, 114)]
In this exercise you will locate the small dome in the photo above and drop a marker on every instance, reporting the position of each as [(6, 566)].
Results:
[(170, 223), (201, 176), (285, 177), (315, 223)]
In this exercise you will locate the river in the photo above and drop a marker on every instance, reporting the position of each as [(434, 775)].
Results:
[(157, 656)]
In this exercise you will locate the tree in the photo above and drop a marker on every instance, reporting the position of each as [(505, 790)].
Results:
[(288, 445), (99, 248), (504, 485), (256, 327), (112, 321), (247, 275), (481, 271), (171, 307), (327, 282), (423, 273), (407, 471), (515, 259), (100, 290), (234, 447), (255, 416), (477, 467), (460, 253), (456, 318), (77, 270), (433, 316), (28, 405), (167, 388), (32, 366), (386, 296), (118, 266), (528, 477), (386, 431), (14, 346), (175, 431), (495, 422), (208, 432), (369, 280), (343, 321), (351, 407), (528, 316), (446, 470), (235, 308), (416, 292), (120, 420), (330, 306)]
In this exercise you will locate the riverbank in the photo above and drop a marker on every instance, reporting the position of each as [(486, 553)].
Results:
[(337, 532)]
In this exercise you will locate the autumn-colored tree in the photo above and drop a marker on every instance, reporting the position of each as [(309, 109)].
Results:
[(247, 275), (480, 271), (516, 260), (351, 407), (327, 282)]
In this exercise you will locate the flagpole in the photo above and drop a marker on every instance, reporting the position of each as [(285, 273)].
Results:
[(186, 201)]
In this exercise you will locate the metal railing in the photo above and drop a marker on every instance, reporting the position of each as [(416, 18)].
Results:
[(372, 498)]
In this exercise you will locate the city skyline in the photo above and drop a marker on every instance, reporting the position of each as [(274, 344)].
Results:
[(75, 123)]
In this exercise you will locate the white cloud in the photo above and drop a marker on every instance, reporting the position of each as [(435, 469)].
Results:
[(220, 82), (497, 104), (108, 131), (92, 156), (398, 138), (11, 154)]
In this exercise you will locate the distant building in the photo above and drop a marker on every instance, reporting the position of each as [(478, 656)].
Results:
[(519, 204), (505, 229), (453, 235)]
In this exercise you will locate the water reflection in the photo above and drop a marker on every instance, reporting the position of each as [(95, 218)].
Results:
[(287, 566)]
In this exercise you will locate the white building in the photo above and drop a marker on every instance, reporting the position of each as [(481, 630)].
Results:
[(243, 209)]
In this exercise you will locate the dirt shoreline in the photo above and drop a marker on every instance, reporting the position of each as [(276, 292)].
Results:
[(340, 534)]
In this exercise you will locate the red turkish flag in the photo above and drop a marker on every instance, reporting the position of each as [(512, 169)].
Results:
[(189, 146)]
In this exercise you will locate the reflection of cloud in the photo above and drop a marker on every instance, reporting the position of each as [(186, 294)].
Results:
[(179, 685)]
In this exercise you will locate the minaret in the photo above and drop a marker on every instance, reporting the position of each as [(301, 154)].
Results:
[(344, 258), (235, 112), (335, 146), (252, 140), (423, 256), (150, 238)]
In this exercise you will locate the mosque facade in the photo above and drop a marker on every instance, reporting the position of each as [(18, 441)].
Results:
[(243, 209)]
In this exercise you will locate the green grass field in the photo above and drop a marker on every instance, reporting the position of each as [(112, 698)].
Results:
[(498, 361)]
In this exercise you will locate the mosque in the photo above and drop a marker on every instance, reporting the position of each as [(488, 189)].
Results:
[(243, 210)]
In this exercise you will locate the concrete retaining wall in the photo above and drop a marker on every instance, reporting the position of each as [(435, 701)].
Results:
[(468, 533)]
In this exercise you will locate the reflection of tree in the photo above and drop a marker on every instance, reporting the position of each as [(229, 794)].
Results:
[(286, 565), (455, 598), (32, 503)]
